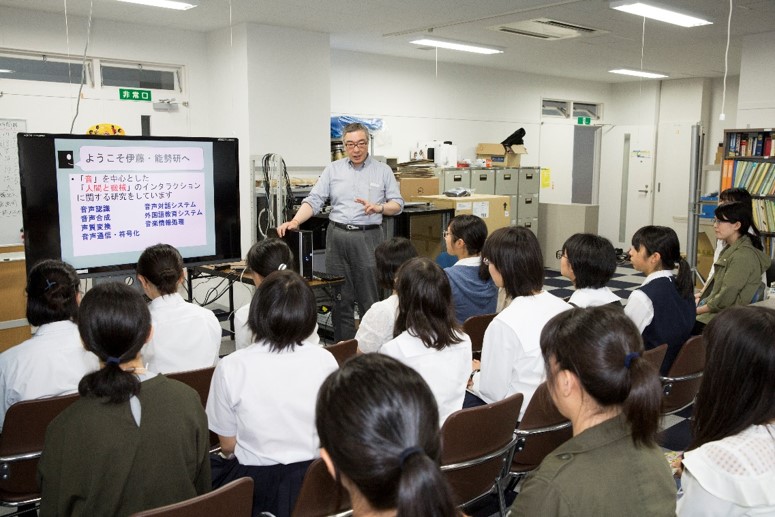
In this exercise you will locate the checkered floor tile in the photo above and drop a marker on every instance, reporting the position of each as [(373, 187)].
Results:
[(622, 284)]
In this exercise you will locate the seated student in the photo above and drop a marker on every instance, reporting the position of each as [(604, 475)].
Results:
[(729, 468), (428, 339), (377, 421), (732, 195), (377, 324), (134, 440), (264, 257), (53, 361), (262, 398), (473, 291), (739, 268), (663, 306), (185, 335), (589, 261), (511, 355), (612, 464)]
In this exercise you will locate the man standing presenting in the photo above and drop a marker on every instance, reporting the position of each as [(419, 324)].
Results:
[(360, 190)]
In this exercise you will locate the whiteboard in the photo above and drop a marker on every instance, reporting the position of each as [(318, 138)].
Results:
[(10, 190)]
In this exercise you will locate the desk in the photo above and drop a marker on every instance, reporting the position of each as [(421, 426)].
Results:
[(325, 290)]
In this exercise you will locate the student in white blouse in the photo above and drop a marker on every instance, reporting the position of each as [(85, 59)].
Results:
[(589, 261), (729, 469), (511, 353), (54, 360), (264, 257), (430, 340), (377, 324), (186, 336), (262, 398)]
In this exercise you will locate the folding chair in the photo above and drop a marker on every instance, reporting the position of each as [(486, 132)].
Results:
[(656, 356), (475, 327), (199, 380), (344, 350), (234, 499), (320, 495), (21, 444), (680, 386), (477, 445), (541, 430)]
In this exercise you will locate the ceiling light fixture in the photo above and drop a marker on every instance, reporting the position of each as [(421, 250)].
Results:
[(637, 73), (5, 71), (166, 4), (456, 45), (654, 12)]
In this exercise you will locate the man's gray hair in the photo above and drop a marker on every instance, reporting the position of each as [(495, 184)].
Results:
[(353, 127)]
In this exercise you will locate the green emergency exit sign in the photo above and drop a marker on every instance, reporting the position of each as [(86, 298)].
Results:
[(133, 94), (584, 121)]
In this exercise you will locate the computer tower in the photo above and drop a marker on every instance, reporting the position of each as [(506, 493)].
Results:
[(300, 243)]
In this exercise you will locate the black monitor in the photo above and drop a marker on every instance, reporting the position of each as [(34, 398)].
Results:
[(97, 202)]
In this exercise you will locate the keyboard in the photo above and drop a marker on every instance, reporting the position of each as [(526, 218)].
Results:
[(328, 277)]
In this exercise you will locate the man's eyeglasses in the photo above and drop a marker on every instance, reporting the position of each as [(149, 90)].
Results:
[(352, 145)]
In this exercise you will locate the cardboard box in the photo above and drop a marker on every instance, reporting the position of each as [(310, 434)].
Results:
[(495, 210), (413, 187), (501, 156)]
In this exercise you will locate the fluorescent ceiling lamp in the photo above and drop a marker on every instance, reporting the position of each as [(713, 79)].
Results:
[(658, 13), (637, 73), (453, 45), (5, 71), (167, 4)]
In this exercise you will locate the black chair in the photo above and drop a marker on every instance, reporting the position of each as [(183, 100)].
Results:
[(475, 326)]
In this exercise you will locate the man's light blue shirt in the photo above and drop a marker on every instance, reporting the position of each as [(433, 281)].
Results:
[(341, 183)]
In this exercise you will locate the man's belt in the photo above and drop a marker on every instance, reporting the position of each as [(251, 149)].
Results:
[(356, 227)]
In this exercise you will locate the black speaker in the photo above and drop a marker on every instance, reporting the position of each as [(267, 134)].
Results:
[(300, 243)]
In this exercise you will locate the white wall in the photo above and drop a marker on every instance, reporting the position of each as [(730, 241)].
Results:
[(464, 104), (50, 107), (756, 106)]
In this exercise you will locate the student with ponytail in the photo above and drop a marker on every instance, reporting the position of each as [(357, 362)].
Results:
[(663, 306), (53, 361), (135, 440), (739, 268), (264, 257), (186, 336), (389, 459), (599, 381)]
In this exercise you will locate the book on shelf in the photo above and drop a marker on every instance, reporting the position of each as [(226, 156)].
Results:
[(767, 148), (726, 174)]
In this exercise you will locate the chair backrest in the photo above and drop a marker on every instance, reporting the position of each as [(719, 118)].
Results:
[(199, 380), (234, 499), (344, 350), (475, 327), (541, 430), (468, 437), (24, 432), (683, 381), (656, 355), (320, 495)]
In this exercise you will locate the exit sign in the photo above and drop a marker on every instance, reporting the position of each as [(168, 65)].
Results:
[(133, 94), (584, 121)]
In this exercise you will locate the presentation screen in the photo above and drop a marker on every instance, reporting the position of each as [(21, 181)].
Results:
[(97, 202)]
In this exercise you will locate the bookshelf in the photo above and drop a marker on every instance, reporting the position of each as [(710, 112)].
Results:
[(749, 162)]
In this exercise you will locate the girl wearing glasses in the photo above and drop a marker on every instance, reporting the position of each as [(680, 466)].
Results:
[(473, 291), (738, 271)]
